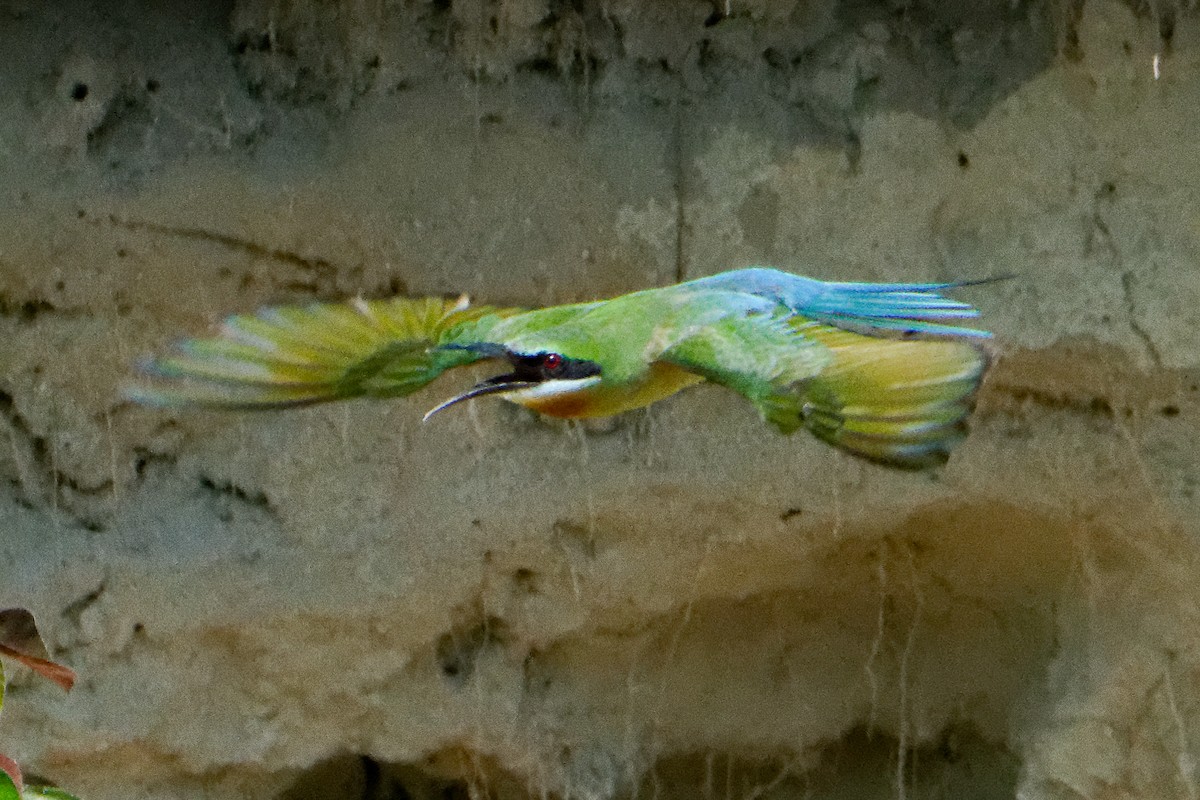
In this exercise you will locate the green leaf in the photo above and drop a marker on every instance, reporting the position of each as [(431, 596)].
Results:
[(8, 789), (10, 770), (44, 793)]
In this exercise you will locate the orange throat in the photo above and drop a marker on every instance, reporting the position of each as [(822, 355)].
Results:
[(593, 398)]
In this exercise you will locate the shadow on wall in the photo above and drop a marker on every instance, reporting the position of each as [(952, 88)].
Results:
[(439, 777), (827, 64), (960, 764), (913, 659)]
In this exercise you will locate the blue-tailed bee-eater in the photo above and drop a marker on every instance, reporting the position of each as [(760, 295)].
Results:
[(880, 370)]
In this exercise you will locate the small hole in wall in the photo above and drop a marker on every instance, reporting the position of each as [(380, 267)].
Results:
[(79, 92)]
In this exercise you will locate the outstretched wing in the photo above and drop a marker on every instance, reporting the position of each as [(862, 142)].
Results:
[(894, 401), (899, 402), (298, 355)]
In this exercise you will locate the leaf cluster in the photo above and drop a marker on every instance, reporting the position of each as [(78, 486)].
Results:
[(21, 642)]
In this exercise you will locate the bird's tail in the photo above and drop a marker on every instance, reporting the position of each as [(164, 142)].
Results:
[(899, 402), (897, 308), (874, 308), (299, 355)]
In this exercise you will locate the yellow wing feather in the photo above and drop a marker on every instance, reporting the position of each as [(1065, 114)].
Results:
[(901, 402), (297, 355)]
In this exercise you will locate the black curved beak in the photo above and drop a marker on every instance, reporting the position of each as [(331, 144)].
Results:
[(528, 370), (495, 385)]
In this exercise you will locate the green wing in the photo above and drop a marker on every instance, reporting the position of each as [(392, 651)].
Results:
[(299, 355), (763, 357), (895, 401)]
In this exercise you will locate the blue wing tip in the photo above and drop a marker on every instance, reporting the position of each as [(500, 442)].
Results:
[(155, 367), (146, 396)]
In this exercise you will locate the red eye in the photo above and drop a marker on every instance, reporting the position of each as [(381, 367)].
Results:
[(552, 361)]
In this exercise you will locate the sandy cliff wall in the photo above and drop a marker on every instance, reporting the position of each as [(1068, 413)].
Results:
[(343, 602)]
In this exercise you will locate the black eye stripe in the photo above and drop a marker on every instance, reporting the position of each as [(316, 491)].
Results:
[(533, 368), (575, 368)]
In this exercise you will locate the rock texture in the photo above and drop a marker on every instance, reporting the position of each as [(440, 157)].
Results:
[(343, 602)]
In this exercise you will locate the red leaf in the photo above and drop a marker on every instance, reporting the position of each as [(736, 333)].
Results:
[(20, 641), (63, 676), (14, 772)]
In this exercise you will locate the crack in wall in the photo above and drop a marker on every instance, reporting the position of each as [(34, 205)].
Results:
[(678, 184), (33, 308), (73, 611), (1142, 334), (1081, 404), (229, 495), (323, 272), (39, 482)]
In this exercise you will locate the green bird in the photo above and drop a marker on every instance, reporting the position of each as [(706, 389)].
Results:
[(880, 370)]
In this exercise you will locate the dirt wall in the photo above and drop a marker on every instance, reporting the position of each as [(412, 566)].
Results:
[(678, 603)]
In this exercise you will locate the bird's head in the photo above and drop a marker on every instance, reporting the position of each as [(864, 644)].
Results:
[(534, 377)]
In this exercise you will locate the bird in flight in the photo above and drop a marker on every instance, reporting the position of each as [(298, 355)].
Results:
[(882, 370)]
